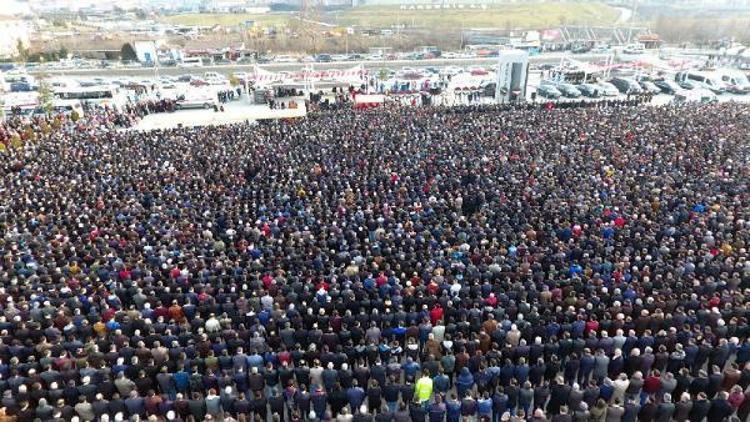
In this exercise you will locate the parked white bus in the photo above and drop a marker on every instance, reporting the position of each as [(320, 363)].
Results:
[(31, 106), (97, 95)]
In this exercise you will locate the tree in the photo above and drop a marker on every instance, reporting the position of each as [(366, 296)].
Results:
[(23, 52), (45, 94), (128, 53), (63, 52)]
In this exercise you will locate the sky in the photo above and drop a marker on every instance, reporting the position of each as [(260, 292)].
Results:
[(13, 7)]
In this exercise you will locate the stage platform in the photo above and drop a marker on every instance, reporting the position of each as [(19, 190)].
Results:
[(233, 113)]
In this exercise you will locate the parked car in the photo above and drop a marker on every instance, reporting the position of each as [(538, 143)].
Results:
[(608, 90), (451, 70), (20, 87), (202, 101), (548, 91), (686, 84), (627, 85), (649, 86), (241, 75), (698, 95), (285, 59), (580, 49), (568, 90), (600, 49), (589, 90), (198, 82), (667, 87)]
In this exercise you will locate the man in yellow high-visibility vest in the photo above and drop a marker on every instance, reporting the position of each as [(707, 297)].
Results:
[(423, 388)]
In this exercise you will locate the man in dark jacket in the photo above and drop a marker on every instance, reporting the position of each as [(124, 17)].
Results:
[(631, 411), (337, 399), (391, 393), (417, 411), (197, 407), (135, 404), (682, 409), (559, 393), (648, 411), (541, 394), (720, 408), (563, 416), (665, 409), (100, 406), (363, 415), (319, 401), (700, 408), (330, 377), (255, 380)]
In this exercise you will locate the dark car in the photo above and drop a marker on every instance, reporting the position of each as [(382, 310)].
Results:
[(548, 91), (649, 86), (683, 82), (589, 90), (627, 86), (20, 87), (568, 90), (667, 87), (323, 58)]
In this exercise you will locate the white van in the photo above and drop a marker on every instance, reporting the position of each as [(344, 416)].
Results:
[(735, 82), (213, 75), (698, 95), (636, 48), (191, 62), (707, 80)]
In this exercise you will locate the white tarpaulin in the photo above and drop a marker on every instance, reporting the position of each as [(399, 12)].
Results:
[(369, 98), (265, 77)]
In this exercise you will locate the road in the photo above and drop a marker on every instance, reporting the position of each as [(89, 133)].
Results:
[(549, 58)]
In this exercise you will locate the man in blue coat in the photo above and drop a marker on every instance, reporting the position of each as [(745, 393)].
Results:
[(355, 394)]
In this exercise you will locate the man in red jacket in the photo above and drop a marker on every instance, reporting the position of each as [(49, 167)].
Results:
[(436, 314), (652, 383)]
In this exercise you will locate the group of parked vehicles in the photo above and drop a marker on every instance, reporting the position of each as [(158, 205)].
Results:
[(556, 89), (690, 85)]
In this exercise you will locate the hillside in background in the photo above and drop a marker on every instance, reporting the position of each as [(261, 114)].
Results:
[(516, 16)]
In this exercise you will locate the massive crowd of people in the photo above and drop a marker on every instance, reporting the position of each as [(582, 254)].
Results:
[(399, 264)]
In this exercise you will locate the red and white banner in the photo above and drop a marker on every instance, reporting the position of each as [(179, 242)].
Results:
[(261, 75)]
